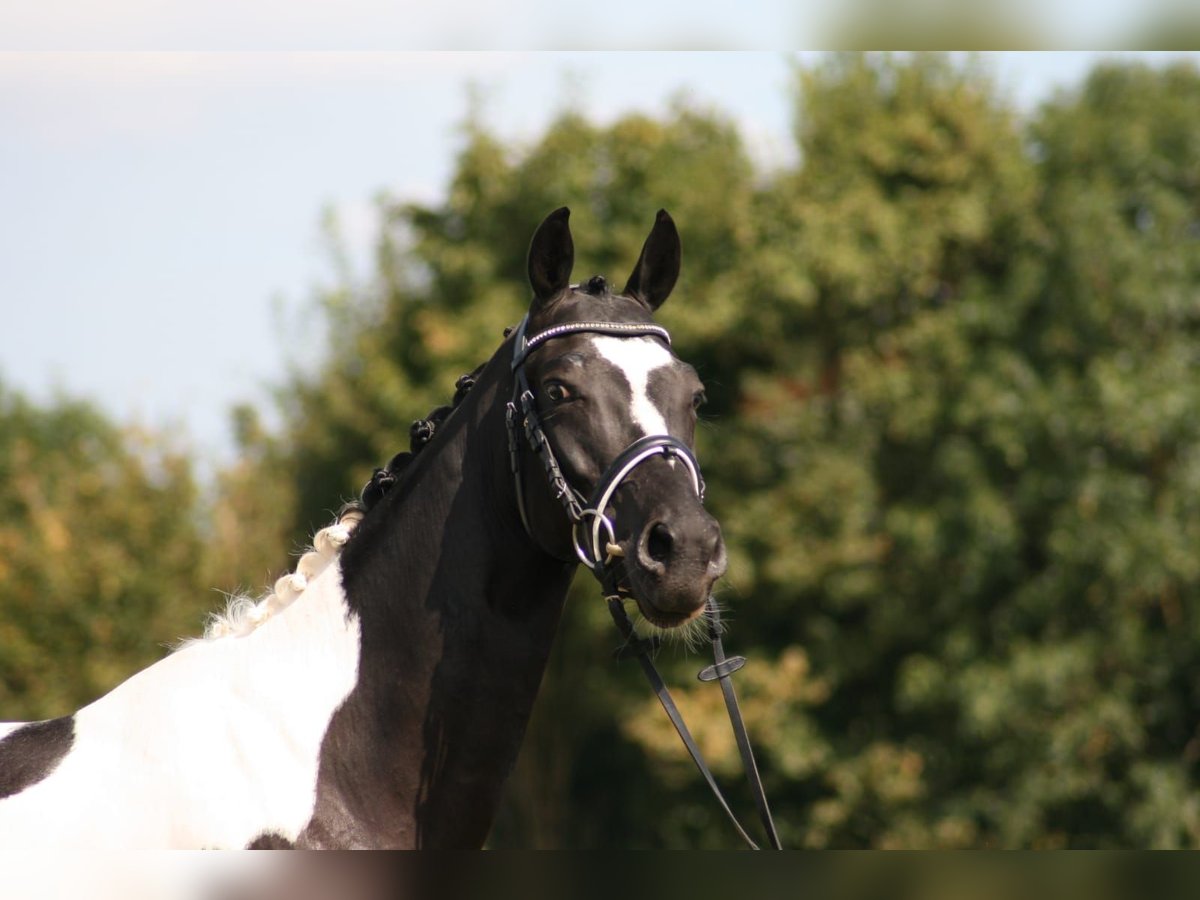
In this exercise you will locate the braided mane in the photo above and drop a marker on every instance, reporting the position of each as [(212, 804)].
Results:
[(420, 433), (243, 615)]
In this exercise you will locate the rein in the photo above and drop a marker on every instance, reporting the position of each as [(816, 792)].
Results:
[(594, 540)]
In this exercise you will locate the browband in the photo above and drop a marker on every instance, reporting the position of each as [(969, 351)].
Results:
[(523, 346)]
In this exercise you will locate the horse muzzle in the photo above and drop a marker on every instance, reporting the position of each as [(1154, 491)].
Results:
[(674, 563)]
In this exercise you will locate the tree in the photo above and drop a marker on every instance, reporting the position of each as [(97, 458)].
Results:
[(100, 554), (866, 513)]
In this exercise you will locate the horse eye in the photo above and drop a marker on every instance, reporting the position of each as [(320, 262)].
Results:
[(699, 399), (558, 392)]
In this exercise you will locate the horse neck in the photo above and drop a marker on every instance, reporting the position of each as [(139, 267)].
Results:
[(458, 611), (451, 529)]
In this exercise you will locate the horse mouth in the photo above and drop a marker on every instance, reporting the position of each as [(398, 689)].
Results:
[(662, 618)]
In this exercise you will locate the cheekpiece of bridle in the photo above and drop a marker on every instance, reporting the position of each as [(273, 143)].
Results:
[(594, 541)]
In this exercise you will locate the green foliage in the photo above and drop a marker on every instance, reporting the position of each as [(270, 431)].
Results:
[(99, 555), (989, 522), (953, 445)]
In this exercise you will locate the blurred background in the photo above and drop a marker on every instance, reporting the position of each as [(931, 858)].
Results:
[(947, 308)]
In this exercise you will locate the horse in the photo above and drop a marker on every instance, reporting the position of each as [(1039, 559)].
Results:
[(378, 696)]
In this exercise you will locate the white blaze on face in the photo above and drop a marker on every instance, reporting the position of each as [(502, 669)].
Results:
[(637, 358)]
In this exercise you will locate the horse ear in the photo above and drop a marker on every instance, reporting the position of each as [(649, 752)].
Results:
[(551, 256), (658, 267)]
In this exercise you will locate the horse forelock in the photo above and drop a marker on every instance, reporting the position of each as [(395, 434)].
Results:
[(242, 614)]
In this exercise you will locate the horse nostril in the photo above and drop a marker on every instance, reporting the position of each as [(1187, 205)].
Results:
[(660, 544)]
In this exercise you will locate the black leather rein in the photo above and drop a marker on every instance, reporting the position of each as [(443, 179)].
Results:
[(595, 545)]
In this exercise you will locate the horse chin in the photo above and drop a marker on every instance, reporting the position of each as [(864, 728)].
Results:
[(664, 618), (666, 605)]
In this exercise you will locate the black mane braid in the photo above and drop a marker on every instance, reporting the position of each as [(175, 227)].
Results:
[(420, 434)]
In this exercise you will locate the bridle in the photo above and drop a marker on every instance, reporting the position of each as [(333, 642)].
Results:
[(594, 542), (587, 541)]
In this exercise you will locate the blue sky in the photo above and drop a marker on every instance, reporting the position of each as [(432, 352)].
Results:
[(160, 212)]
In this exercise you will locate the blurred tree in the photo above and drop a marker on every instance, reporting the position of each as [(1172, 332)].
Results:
[(865, 518), (99, 555), (1083, 712), (976, 460), (250, 513)]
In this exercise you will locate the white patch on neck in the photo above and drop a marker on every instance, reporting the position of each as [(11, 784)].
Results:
[(215, 744), (637, 358)]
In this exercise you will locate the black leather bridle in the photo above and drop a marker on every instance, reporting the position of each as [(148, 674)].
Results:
[(523, 408), (594, 540)]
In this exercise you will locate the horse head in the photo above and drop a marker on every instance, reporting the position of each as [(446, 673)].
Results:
[(617, 409)]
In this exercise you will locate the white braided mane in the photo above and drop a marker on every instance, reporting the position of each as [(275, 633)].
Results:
[(243, 615)]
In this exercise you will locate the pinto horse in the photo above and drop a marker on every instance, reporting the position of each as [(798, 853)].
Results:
[(378, 696)]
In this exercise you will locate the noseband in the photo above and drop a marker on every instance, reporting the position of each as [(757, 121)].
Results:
[(595, 543), (600, 549)]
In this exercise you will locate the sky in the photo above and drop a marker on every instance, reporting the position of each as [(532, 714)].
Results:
[(532, 24), (160, 213)]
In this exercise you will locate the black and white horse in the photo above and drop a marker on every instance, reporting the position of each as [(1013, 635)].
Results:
[(378, 696)]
